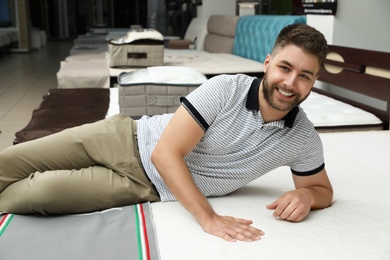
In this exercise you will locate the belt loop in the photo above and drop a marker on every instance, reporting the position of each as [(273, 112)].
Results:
[(135, 140), (134, 127)]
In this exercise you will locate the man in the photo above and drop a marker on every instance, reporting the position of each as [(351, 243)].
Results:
[(226, 133)]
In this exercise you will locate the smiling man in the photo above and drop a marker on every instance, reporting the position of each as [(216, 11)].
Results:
[(294, 73), (228, 132), (234, 129)]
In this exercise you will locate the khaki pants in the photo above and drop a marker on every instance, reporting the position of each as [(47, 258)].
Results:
[(87, 168)]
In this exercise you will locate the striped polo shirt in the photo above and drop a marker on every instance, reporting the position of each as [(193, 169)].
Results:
[(237, 146)]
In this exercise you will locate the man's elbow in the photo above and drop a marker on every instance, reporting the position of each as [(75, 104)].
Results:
[(328, 198), (161, 156), (324, 197), (155, 157)]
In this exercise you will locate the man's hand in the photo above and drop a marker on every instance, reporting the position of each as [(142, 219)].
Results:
[(232, 229), (312, 192), (292, 206)]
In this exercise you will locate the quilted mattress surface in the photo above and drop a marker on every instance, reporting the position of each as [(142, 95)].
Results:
[(325, 111), (356, 226)]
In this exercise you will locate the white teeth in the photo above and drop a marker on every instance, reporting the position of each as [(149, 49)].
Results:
[(287, 94)]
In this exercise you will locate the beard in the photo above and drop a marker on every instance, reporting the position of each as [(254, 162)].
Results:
[(281, 105)]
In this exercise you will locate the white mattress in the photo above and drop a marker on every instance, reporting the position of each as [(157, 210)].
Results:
[(320, 109), (113, 107), (324, 111), (205, 62), (357, 226)]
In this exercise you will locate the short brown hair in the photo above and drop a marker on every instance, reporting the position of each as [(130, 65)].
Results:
[(305, 37)]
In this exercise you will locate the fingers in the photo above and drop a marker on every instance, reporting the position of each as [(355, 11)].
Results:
[(243, 221), (243, 233), (283, 209), (234, 229), (292, 206), (290, 212), (274, 204)]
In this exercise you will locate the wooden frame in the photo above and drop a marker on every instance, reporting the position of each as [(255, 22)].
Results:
[(353, 76)]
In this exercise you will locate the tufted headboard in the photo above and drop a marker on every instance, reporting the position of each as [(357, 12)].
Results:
[(256, 34)]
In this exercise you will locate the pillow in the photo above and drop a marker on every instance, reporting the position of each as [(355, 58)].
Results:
[(179, 44)]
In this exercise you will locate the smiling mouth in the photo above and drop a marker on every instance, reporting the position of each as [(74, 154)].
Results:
[(284, 92)]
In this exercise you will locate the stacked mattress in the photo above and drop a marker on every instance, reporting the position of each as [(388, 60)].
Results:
[(156, 90)]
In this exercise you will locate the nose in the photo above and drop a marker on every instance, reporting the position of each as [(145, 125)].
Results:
[(290, 80)]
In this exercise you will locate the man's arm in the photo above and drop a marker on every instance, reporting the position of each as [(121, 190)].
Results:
[(181, 135), (312, 192)]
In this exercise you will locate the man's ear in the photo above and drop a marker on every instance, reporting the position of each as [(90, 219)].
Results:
[(316, 77), (267, 62)]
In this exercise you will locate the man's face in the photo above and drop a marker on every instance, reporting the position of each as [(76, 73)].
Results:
[(289, 76)]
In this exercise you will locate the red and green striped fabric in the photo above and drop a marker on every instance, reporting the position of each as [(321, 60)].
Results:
[(142, 233), (4, 221)]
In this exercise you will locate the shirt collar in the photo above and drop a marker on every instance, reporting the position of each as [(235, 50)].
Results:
[(252, 103)]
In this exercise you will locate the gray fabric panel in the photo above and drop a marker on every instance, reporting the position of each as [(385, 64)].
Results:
[(109, 234)]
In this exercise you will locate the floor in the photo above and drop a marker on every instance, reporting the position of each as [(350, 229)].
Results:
[(24, 79)]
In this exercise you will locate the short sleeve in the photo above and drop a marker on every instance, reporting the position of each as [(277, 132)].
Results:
[(311, 158), (207, 101)]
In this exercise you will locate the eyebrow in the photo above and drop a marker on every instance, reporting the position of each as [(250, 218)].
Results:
[(305, 71)]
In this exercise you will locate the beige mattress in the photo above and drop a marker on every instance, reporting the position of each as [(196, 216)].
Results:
[(135, 55), (211, 63), (89, 48), (205, 62), (83, 74)]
